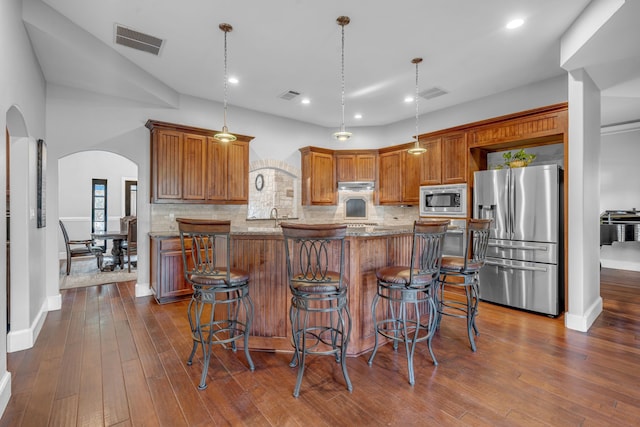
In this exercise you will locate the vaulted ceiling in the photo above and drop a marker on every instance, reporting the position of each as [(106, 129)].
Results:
[(295, 45)]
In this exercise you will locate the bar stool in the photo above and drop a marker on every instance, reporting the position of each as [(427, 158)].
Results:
[(319, 312), (408, 291), (206, 255), (462, 272)]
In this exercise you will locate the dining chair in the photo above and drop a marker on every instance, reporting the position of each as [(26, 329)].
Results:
[(130, 246), (319, 311), (206, 255), (462, 272), (80, 248), (407, 292)]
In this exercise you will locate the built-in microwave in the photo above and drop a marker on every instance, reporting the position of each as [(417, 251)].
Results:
[(443, 200)]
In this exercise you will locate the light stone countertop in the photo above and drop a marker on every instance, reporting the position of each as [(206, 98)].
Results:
[(365, 231)]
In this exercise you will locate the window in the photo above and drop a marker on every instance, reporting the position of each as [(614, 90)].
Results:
[(99, 208), (130, 198)]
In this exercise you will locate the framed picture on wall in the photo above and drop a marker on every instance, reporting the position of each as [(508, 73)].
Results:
[(42, 184)]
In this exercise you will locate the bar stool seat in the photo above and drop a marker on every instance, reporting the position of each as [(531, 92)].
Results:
[(235, 276), (462, 272), (206, 255), (407, 291)]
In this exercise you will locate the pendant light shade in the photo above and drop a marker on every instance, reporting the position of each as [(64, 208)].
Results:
[(225, 136), (416, 149), (342, 135)]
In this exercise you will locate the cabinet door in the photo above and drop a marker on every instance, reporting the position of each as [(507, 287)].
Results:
[(167, 165), (454, 158), (346, 167), (431, 170), (167, 270), (323, 183), (194, 167), (411, 165), (217, 169), (238, 171), (390, 186), (366, 167)]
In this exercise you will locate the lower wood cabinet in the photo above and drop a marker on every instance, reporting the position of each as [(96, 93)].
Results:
[(167, 272)]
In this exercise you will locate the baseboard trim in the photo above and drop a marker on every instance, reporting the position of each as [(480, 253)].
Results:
[(143, 290), (583, 323), (54, 302), (5, 391), (26, 338)]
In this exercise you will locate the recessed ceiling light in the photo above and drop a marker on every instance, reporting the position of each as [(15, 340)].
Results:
[(515, 23), (306, 101), (233, 80), (357, 116), (408, 99)]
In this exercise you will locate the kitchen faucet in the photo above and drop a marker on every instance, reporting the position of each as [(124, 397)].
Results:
[(274, 215)]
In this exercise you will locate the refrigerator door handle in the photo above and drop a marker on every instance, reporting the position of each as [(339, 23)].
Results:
[(515, 267), (511, 204), (526, 248)]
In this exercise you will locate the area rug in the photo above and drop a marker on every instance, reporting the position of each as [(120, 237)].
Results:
[(85, 272)]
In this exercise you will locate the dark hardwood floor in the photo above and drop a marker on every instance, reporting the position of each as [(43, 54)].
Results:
[(110, 359)]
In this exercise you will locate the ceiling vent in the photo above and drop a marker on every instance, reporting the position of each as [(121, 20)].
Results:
[(137, 40), (288, 95), (434, 92)]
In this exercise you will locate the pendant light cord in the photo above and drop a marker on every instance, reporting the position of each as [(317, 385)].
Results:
[(342, 75), (225, 79), (417, 109)]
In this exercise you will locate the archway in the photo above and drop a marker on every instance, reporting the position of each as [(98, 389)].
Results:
[(17, 220), (76, 172)]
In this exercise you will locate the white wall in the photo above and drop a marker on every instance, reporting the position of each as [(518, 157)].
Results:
[(619, 156), (22, 91), (540, 94), (75, 174)]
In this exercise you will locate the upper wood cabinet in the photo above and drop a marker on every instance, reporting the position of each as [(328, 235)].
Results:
[(533, 127), (398, 176), (318, 176), (355, 166), (431, 169), (445, 161), (189, 166)]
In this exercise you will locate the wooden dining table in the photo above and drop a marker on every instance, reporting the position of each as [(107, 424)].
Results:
[(117, 255)]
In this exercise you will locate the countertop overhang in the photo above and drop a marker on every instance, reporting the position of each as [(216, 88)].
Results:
[(365, 231)]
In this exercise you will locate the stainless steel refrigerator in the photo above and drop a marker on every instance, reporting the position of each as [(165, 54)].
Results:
[(525, 255)]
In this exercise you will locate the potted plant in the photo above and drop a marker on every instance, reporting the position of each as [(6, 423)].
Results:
[(518, 159)]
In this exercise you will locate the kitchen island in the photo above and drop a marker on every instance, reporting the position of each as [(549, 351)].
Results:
[(260, 251)]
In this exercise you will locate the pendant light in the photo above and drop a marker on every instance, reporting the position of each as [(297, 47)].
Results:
[(416, 149), (225, 136), (342, 135)]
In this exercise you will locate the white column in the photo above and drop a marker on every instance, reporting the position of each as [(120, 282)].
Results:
[(585, 303)]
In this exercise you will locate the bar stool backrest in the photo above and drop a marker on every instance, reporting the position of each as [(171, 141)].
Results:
[(206, 248), (426, 252), (314, 254), (477, 243)]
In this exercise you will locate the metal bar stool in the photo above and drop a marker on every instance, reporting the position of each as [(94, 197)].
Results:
[(206, 255), (408, 291), (462, 272), (319, 312)]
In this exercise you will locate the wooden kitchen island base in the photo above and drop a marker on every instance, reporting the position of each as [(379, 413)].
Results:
[(262, 255)]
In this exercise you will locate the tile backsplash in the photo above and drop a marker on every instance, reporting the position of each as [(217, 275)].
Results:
[(281, 189)]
